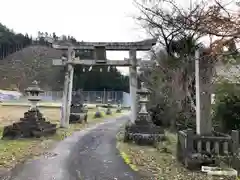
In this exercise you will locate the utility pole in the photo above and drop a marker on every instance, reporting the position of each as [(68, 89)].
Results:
[(197, 87)]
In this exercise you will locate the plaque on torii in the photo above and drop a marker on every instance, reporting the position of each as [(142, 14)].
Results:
[(99, 59)]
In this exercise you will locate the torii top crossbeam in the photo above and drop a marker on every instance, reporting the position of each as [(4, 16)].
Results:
[(99, 52), (144, 45)]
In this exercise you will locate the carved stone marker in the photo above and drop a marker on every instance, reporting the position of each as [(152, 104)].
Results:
[(78, 112)]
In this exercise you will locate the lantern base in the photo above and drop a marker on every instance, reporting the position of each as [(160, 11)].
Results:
[(33, 124), (143, 131)]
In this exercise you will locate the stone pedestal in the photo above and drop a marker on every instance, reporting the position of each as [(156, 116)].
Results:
[(33, 124)]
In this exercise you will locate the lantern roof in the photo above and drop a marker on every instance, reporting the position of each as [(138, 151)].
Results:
[(34, 88)]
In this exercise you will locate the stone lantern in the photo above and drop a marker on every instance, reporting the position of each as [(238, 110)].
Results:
[(33, 95), (143, 131), (108, 111), (143, 99), (119, 107), (33, 124)]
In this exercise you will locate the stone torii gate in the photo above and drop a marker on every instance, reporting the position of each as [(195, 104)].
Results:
[(99, 49)]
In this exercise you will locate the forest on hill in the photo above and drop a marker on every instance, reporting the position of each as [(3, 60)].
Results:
[(24, 59)]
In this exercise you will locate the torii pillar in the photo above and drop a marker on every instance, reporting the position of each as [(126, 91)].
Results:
[(67, 92), (133, 83)]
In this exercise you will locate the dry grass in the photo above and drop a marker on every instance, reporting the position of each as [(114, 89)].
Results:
[(16, 151), (10, 114)]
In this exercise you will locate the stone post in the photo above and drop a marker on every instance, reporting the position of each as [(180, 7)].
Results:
[(188, 147), (235, 141), (133, 83), (203, 96), (189, 140)]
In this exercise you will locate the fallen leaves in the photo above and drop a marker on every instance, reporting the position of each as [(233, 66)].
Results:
[(158, 163)]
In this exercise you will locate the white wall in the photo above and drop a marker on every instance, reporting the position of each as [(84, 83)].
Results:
[(7, 95), (126, 99)]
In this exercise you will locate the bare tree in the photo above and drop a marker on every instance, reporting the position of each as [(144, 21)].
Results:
[(179, 30)]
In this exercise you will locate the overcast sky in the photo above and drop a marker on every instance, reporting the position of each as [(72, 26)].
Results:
[(87, 20)]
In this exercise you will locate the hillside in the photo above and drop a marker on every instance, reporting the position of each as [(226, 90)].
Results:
[(24, 59), (19, 69)]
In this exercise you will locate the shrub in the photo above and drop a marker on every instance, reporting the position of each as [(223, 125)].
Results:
[(226, 111), (98, 114)]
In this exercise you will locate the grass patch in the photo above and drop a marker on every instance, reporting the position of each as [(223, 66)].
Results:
[(158, 162), (63, 133), (13, 152)]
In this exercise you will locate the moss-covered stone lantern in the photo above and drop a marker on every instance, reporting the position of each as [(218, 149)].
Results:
[(33, 124), (143, 131), (119, 107), (108, 111), (33, 92)]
